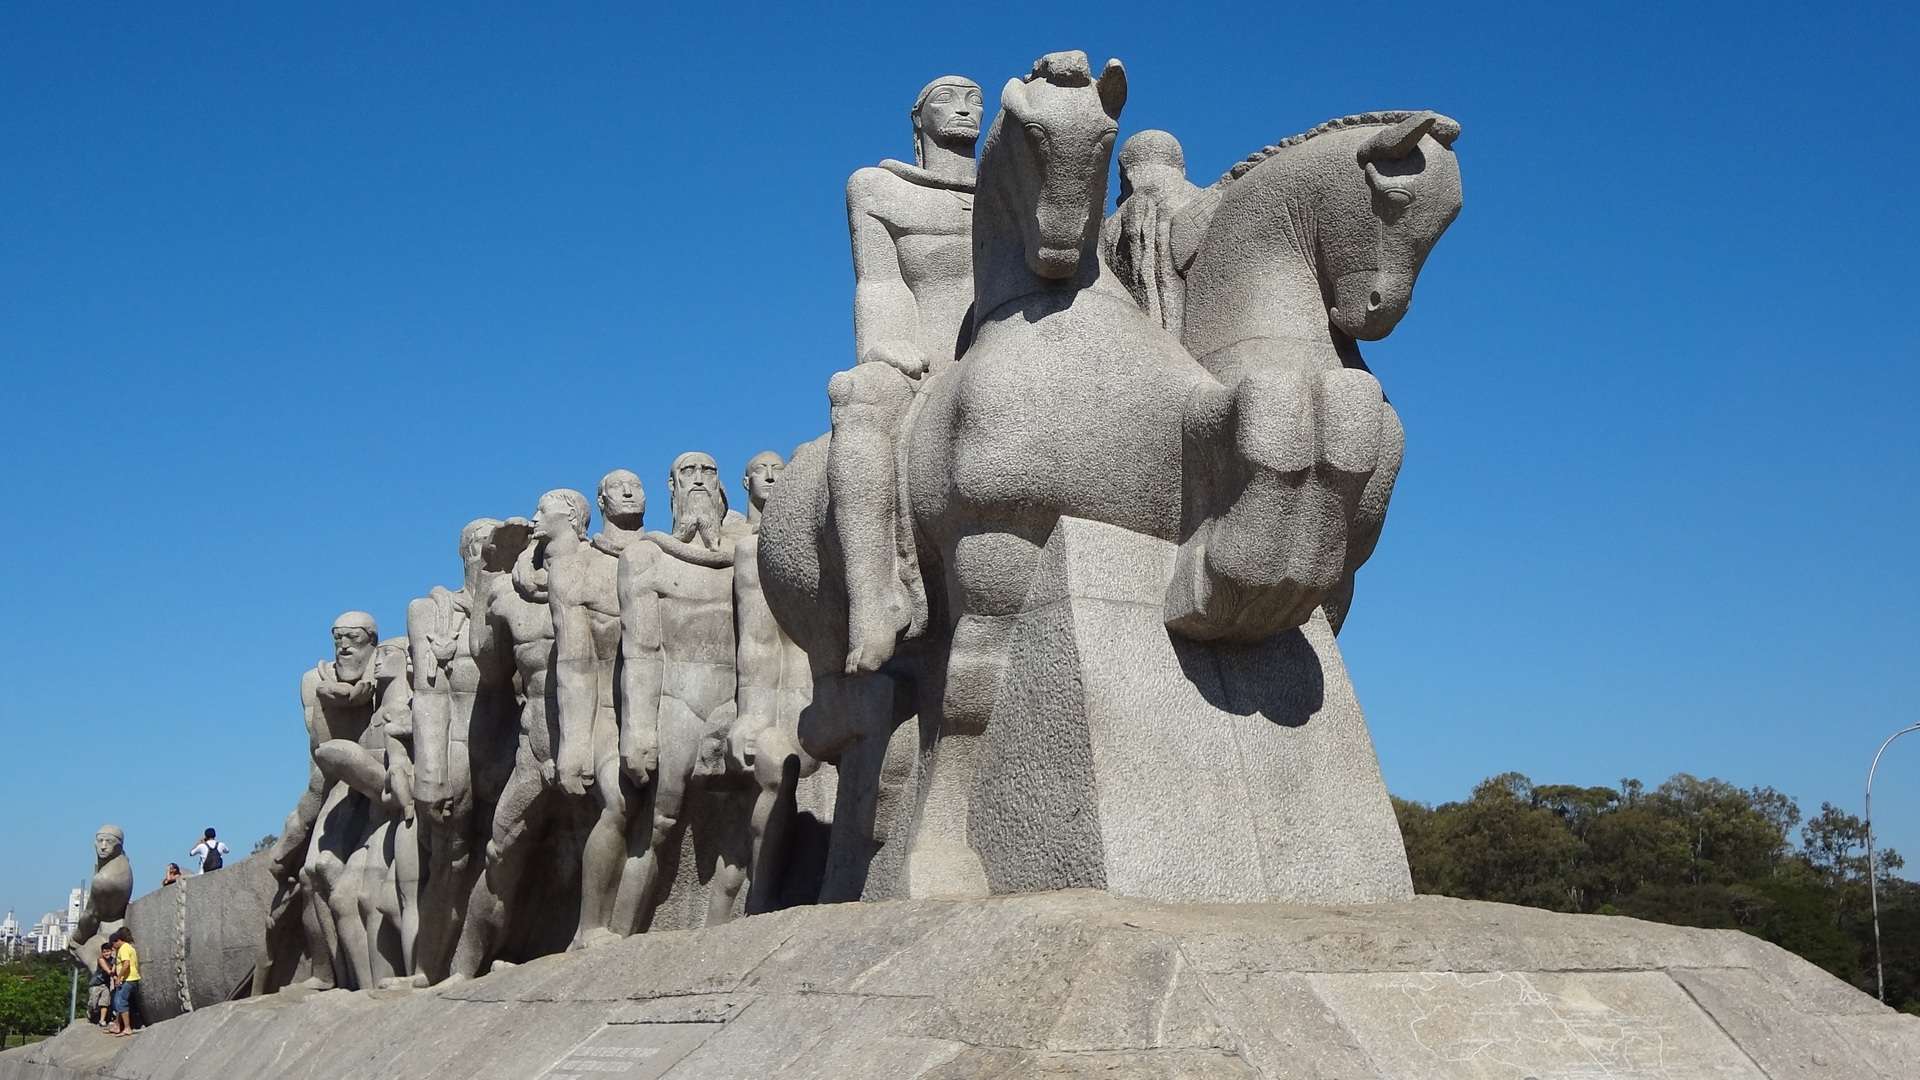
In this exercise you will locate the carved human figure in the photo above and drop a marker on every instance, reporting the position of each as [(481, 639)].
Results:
[(677, 681), (521, 619), (1137, 239), (462, 704), (389, 867), (107, 893), (342, 805), (774, 685), (911, 227), (583, 592)]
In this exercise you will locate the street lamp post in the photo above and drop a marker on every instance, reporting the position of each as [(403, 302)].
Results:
[(1873, 880)]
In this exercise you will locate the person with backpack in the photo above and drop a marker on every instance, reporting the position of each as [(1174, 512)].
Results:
[(209, 853)]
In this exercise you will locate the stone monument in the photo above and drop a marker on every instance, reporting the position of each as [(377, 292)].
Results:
[(1038, 641)]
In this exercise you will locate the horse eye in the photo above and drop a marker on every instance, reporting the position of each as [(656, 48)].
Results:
[(1038, 134), (1399, 197)]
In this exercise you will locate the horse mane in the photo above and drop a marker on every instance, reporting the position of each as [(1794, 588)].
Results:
[(1338, 123)]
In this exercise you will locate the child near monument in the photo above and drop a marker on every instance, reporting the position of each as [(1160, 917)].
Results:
[(127, 975)]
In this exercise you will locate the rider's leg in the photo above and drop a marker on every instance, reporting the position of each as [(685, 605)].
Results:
[(868, 404)]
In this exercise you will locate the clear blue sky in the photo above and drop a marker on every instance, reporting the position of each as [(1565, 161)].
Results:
[(287, 297)]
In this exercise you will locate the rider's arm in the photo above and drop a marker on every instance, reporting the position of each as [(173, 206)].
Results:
[(886, 318)]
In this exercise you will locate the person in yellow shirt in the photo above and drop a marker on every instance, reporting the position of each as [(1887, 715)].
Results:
[(126, 977)]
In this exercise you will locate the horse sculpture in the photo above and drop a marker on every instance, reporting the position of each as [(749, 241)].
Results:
[(1259, 443)]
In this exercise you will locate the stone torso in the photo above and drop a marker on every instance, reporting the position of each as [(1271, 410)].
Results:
[(932, 231), (696, 623)]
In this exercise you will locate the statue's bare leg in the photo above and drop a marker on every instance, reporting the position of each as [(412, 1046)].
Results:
[(495, 887), (729, 872), (354, 954), (603, 860), (868, 404), (680, 732), (851, 722), (776, 773), (989, 590), (406, 890)]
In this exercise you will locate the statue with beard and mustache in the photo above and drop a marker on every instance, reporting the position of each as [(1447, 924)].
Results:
[(343, 804), (677, 686)]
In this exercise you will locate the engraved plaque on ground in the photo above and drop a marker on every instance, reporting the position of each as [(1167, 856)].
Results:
[(630, 1052)]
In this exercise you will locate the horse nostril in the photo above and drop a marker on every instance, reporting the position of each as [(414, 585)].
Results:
[(1373, 301)]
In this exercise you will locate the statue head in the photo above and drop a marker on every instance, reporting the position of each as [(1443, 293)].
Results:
[(947, 111), (1373, 232), (108, 842), (1056, 129), (763, 471), (699, 499), (623, 502), (474, 537), (355, 638), (561, 512), (1151, 162)]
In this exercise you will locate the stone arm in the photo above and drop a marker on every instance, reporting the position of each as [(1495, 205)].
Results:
[(290, 851), (576, 674), (886, 317), (643, 667), (432, 648), (488, 642)]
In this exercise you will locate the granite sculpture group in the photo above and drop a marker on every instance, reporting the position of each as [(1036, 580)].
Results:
[(1051, 605)]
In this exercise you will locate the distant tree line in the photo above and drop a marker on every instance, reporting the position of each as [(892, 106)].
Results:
[(34, 995), (1691, 852)]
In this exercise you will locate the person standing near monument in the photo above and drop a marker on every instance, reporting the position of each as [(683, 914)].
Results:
[(126, 979), (677, 681), (209, 853), (100, 987), (584, 595), (912, 233)]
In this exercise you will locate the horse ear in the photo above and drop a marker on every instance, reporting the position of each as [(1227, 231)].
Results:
[(1398, 140), (1013, 96), (1113, 88)]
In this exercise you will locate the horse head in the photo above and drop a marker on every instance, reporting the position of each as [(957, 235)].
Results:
[(1046, 158), (1382, 212)]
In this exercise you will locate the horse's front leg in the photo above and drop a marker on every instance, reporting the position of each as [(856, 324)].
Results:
[(991, 572), (1286, 486)]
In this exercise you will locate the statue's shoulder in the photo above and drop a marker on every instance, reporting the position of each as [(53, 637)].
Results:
[(640, 555), (875, 186)]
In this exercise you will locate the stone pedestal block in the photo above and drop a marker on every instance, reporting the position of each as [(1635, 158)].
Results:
[(1124, 758)]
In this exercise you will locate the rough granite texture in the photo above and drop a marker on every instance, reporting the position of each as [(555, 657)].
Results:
[(1152, 766), (1069, 984), (198, 938)]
